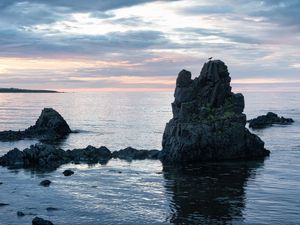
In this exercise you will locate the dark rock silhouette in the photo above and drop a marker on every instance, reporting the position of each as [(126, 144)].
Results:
[(45, 183), (49, 126), (268, 120), (90, 154), (208, 123), (133, 154), (40, 221), (49, 157), (68, 173), (20, 214)]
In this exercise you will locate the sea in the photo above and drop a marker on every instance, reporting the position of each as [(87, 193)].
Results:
[(143, 192)]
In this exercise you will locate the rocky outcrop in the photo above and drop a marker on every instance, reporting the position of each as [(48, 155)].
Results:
[(48, 157), (268, 120), (208, 123), (49, 126)]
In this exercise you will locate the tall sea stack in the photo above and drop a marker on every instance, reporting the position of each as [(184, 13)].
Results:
[(208, 122)]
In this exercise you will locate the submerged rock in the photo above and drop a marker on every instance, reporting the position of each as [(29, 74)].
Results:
[(208, 123), (49, 126), (68, 173), (3, 204), (268, 120), (45, 183), (20, 214), (40, 221)]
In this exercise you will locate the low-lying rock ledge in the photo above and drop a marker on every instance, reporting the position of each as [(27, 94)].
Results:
[(268, 120), (49, 126), (43, 156)]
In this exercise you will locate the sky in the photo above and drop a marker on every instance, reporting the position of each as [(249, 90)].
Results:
[(110, 45)]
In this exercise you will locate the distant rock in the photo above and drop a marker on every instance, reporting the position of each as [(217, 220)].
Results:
[(3, 204), (20, 214), (51, 209), (208, 123), (68, 173), (17, 90), (45, 183), (268, 120), (49, 126), (40, 221)]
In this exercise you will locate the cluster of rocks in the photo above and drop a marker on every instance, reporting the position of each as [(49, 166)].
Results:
[(49, 126), (208, 122), (268, 120), (45, 156)]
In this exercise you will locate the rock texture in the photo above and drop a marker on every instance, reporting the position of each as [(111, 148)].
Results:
[(49, 126), (48, 157), (268, 120), (41, 221), (208, 123), (133, 154)]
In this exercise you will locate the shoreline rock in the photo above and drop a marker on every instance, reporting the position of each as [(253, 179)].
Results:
[(268, 120), (49, 126), (48, 157), (208, 122)]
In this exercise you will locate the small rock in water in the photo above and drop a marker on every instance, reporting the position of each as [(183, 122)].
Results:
[(268, 120), (20, 214), (45, 183), (40, 221), (1, 183), (51, 209), (68, 173), (3, 204)]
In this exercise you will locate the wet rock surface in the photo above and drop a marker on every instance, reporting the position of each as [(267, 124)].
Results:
[(48, 157), (20, 214), (49, 126), (40, 221), (268, 120), (68, 173), (208, 123), (45, 183), (133, 154)]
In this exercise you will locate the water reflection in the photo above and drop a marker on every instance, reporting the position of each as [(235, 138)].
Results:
[(209, 193)]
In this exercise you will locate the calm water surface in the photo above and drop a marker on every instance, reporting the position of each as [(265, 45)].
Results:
[(142, 192)]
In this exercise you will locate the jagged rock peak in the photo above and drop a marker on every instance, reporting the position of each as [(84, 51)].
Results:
[(210, 90), (208, 121)]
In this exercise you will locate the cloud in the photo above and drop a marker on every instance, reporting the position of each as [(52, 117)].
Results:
[(79, 5), (207, 9), (221, 34), (147, 40), (282, 12), (14, 43)]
